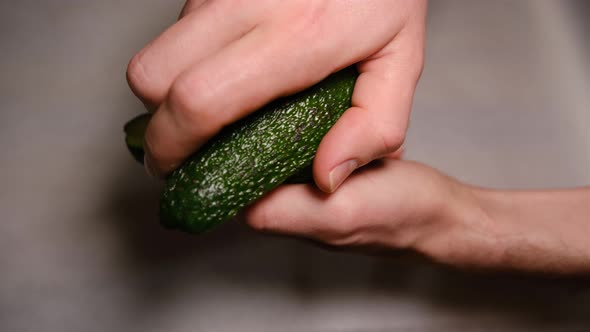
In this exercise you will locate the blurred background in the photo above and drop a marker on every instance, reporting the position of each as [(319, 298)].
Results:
[(503, 102)]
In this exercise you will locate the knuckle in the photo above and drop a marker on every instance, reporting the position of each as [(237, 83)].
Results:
[(182, 97), (313, 13), (137, 77), (191, 98), (306, 21), (346, 221), (391, 139)]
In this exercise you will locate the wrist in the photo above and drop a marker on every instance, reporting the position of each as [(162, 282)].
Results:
[(537, 231), (540, 231), (464, 232)]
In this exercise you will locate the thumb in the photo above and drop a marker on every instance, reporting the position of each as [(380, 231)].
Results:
[(376, 124)]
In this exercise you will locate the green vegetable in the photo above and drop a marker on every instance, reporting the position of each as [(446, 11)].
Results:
[(134, 130), (251, 157)]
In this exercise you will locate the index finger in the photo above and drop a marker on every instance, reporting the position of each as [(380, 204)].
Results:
[(226, 87)]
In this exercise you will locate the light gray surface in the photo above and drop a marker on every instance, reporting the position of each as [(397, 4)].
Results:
[(503, 102)]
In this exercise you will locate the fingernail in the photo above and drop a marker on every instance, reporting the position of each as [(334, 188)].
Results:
[(149, 165), (340, 173)]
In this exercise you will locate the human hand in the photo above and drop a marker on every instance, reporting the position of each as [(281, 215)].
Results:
[(224, 59), (393, 204), (389, 204)]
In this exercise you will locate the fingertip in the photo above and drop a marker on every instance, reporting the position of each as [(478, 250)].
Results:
[(288, 209), (259, 214), (166, 143), (339, 173), (321, 178), (148, 165), (340, 151)]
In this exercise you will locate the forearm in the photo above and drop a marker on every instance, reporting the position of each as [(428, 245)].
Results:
[(541, 231)]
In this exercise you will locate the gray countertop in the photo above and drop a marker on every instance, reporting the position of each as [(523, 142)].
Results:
[(503, 102)]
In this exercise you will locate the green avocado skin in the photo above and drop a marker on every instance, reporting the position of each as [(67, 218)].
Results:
[(253, 156)]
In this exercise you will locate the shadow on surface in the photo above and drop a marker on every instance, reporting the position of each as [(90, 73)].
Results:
[(162, 262)]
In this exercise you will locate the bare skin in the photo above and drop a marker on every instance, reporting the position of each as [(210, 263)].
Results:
[(224, 59), (406, 205)]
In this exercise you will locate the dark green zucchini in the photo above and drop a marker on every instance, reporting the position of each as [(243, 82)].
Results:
[(251, 157)]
